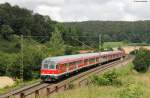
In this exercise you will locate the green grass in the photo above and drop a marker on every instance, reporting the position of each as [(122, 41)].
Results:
[(113, 44), (135, 85)]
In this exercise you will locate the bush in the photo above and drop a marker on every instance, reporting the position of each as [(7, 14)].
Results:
[(71, 86), (6, 60), (134, 52), (3, 63), (109, 78), (109, 49), (131, 91), (142, 60)]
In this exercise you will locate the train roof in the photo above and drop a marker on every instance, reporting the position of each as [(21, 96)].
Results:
[(71, 58)]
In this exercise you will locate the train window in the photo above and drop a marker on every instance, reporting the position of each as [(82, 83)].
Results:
[(72, 63), (78, 62), (57, 66), (92, 60), (52, 65), (97, 59), (45, 66), (67, 64)]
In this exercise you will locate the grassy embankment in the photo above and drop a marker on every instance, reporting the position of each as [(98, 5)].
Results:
[(134, 85)]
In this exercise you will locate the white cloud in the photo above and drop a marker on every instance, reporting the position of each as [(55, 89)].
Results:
[(53, 11), (81, 10)]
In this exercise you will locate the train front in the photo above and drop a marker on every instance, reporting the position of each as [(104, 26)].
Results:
[(48, 70)]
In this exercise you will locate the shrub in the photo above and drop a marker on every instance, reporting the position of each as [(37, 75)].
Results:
[(6, 61), (134, 52), (71, 86), (131, 91), (109, 78), (142, 60)]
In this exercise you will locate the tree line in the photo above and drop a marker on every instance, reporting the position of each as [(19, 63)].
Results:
[(21, 21), (128, 31)]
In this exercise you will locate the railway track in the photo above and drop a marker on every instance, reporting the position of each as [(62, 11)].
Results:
[(45, 89)]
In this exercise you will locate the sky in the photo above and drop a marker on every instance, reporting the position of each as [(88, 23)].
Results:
[(84, 10)]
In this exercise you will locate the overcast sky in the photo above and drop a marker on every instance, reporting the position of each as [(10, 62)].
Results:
[(83, 10)]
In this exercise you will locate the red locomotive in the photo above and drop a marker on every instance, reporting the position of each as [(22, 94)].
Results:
[(54, 68)]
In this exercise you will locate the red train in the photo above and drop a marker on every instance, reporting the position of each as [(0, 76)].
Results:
[(54, 68)]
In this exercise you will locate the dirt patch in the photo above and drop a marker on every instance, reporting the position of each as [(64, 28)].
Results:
[(6, 81), (128, 49)]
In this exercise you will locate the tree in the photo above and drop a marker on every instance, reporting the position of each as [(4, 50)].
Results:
[(3, 63), (142, 60), (6, 31), (6, 63), (14, 67), (56, 44)]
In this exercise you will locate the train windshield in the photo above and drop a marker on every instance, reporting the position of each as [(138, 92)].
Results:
[(48, 65), (45, 66)]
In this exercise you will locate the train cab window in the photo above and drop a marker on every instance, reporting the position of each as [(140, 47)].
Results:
[(45, 66)]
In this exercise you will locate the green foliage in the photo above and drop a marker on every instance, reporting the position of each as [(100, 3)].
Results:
[(32, 57), (69, 50), (33, 54), (6, 31), (4, 63), (13, 69), (131, 91), (125, 70), (134, 52), (142, 60), (108, 78), (71, 86), (56, 44), (115, 30), (25, 22), (109, 49), (12, 46)]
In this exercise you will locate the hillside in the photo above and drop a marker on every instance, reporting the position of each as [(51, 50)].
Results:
[(137, 31)]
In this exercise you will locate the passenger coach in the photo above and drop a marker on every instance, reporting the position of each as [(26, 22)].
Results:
[(54, 68)]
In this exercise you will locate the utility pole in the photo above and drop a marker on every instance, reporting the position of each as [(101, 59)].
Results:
[(22, 63), (99, 45), (100, 42), (22, 54)]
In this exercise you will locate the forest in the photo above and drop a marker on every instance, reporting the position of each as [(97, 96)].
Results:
[(130, 31)]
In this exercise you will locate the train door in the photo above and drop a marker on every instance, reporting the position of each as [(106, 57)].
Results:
[(86, 62), (61, 68), (67, 67)]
